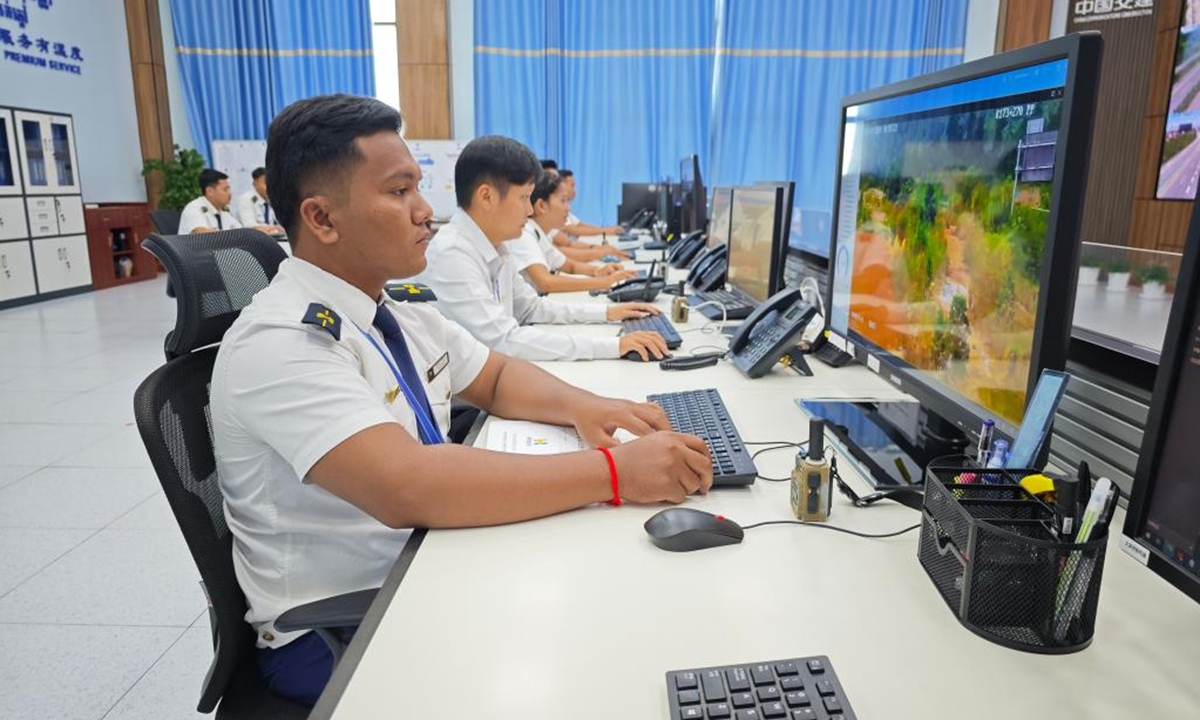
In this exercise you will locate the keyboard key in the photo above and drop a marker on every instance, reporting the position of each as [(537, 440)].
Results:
[(685, 681), (689, 697), (768, 693), (816, 667), (719, 711), (774, 710), (791, 683), (762, 675), (797, 699), (714, 687), (804, 714), (825, 687), (750, 714), (742, 700), (786, 668), (833, 705), (694, 712), (738, 679)]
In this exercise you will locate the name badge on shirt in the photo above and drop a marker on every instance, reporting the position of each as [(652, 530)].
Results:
[(437, 368)]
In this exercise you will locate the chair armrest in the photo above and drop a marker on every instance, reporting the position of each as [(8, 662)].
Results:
[(335, 612)]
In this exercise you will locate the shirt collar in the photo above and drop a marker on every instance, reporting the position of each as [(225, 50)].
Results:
[(208, 206), (331, 290), (537, 230), (475, 237)]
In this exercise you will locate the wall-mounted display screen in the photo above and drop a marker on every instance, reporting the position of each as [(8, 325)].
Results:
[(1179, 171)]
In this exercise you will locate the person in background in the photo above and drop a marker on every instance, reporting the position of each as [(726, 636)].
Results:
[(254, 206), (549, 166), (210, 211), (542, 264), (573, 224), (477, 285)]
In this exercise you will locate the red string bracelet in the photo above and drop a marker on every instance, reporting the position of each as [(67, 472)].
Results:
[(612, 471)]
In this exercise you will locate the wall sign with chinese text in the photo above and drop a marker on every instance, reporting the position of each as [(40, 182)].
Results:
[(1089, 11), (23, 44)]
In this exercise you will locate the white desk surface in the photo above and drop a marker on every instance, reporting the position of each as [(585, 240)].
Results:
[(580, 616)]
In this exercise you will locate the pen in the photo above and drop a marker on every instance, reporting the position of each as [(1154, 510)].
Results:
[(1067, 505), (985, 441)]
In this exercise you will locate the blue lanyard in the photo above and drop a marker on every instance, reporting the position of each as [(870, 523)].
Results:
[(424, 422)]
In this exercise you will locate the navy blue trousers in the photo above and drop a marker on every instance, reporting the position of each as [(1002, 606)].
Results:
[(301, 669)]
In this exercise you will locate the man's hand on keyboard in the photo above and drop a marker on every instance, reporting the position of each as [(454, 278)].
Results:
[(645, 343), (612, 269), (663, 467), (623, 311), (596, 421)]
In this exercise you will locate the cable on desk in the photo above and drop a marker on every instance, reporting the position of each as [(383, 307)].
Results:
[(714, 303), (834, 528)]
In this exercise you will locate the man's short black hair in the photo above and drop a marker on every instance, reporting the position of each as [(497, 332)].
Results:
[(546, 186), (496, 160), (312, 141), (258, 172), (548, 164), (210, 177), (566, 173)]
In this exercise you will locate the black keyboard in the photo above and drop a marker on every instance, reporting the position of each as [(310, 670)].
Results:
[(800, 689), (736, 306), (702, 413), (655, 323)]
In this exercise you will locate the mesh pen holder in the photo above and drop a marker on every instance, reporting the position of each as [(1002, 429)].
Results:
[(991, 550)]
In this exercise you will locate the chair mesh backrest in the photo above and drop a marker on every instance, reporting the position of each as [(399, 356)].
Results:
[(166, 222), (214, 276), (171, 408)]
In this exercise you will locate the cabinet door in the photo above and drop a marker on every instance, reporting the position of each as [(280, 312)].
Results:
[(62, 262), (60, 151), (10, 178), (31, 133), (16, 271), (43, 217), (69, 209), (12, 219)]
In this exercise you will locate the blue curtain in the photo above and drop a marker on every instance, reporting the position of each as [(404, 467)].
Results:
[(242, 61), (615, 90), (782, 69)]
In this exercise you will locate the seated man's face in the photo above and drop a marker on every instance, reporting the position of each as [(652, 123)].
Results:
[(219, 195), (379, 212), (514, 209), (260, 186)]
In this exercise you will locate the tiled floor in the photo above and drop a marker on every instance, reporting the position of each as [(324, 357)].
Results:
[(101, 614)]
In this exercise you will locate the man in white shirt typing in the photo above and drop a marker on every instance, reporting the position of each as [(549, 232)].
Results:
[(254, 205), (210, 211)]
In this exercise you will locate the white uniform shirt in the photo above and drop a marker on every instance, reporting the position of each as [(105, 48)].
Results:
[(534, 247), (571, 219), (284, 394), (201, 213), (479, 288), (250, 210)]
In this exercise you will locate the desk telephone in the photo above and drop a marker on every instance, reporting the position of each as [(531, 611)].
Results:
[(685, 249), (771, 332), (709, 271), (641, 221), (637, 289)]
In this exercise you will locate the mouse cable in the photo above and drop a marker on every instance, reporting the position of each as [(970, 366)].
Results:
[(834, 528)]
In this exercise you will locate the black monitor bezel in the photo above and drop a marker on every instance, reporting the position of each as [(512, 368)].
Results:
[(694, 212), (636, 197), (1175, 353), (1052, 331), (776, 268), (785, 229)]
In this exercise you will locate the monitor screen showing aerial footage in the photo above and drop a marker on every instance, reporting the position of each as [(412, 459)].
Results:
[(1180, 168), (941, 230)]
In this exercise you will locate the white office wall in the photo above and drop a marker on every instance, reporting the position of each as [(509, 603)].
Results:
[(982, 16), (180, 130), (462, 68), (100, 99), (1058, 18)]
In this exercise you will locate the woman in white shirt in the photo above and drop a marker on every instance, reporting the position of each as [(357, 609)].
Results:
[(540, 262)]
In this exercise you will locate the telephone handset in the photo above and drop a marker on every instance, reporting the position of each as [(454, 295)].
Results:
[(639, 289), (684, 250), (709, 271), (770, 332), (642, 220)]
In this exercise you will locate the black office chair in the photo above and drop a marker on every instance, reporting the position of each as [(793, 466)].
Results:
[(165, 221), (216, 276)]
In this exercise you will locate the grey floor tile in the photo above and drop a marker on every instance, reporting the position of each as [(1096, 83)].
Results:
[(73, 673), (152, 514), (25, 551), (61, 379), (60, 497), (91, 407), (13, 473), (117, 577), (19, 406), (170, 690), (122, 449), (37, 444)]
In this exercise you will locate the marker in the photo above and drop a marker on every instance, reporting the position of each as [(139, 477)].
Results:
[(998, 454), (1067, 505), (985, 441)]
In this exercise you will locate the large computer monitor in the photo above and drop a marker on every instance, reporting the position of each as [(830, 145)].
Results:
[(789, 194), (954, 241), (722, 211), (694, 212), (754, 239), (1162, 527), (636, 197)]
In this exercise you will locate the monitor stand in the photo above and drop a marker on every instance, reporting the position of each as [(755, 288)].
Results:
[(893, 441)]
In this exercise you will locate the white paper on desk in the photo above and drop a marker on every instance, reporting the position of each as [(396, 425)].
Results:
[(532, 438)]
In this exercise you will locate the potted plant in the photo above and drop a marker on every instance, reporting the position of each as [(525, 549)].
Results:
[(1089, 270), (1153, 279), (1118, 275), (181, 177)]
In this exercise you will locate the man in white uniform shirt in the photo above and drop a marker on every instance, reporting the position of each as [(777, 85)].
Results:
[(210, 211), (330, 401), (254, 206), (573, 224), (479, 288)]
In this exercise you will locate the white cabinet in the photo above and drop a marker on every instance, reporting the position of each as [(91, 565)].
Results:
[(16, 271), (12, 219), (43, 218), (69, 209), (62, 263), (10, 178), (47, 153)]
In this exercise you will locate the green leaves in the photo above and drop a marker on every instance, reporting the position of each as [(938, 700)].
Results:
[(181, 183)]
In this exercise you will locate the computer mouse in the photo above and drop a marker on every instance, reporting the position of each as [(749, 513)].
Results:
[(685, 529), (633, 355)]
